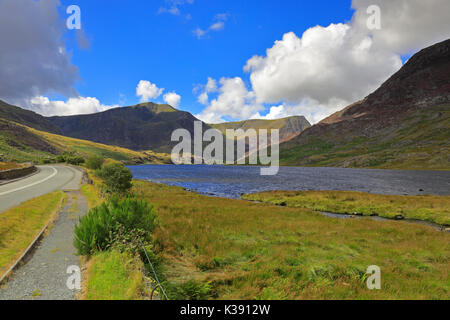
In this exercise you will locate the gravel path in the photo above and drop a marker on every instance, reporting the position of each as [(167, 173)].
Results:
[(43, 276)]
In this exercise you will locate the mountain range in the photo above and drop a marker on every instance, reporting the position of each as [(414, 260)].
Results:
[(403, 124)]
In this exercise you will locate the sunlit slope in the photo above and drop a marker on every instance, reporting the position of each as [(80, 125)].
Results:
[(20, 143)]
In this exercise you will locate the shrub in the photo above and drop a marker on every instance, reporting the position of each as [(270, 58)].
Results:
[(116, 219), (75, 160), (60, 158), (191, 290), (117, 178), (94, 162)]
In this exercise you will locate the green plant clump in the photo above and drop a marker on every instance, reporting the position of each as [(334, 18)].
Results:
[(117, 178), (94, 162), (127, 220)]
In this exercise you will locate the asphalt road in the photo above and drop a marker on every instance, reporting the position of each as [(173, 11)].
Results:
[(49, 179)]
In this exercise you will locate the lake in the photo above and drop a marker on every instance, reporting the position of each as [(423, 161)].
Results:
[(232, 181)]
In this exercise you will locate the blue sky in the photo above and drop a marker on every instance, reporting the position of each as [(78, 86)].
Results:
[(226, 60), (132, 41)]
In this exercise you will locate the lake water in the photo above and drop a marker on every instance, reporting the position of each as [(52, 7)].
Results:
[(232, 181)]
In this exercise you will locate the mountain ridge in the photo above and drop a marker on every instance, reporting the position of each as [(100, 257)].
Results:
[(403, 123)]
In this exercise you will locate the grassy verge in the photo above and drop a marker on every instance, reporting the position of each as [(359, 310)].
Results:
[(20, 225), (231, 249), (10, 165), (92, 195), (112, 275), (427, 208)]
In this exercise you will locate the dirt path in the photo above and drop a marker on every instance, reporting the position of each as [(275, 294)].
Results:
[(44, 273)]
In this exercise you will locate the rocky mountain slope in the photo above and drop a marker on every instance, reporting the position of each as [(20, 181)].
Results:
[(26, 117), (403, 124), (289, 127)]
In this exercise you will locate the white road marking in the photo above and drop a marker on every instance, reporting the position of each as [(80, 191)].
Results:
[(32, 184)]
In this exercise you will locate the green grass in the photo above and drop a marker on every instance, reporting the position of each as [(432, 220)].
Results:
[(426, 208), (112, 275), (420, 141), (20, 225), (92, 195), (234, 249)]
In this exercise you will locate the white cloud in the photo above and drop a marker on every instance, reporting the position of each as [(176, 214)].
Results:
[(327, 68), (174, 7), (406, 25), (147, 90), (73, 106), (217, 25), (233, 101), (172, 99), (325, 64)]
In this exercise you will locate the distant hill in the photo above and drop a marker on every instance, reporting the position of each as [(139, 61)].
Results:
[(403, 124), (146, 126), (19, 143), (289, 127), (26, 117)]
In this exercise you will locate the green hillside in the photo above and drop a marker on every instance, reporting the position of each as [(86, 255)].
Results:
[(19, 143)]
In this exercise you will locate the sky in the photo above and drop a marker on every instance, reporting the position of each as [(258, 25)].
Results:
[(220, 60)]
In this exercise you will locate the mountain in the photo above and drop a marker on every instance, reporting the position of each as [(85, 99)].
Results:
[(146, 126), (289, 127), (19, 143), (26, 117), (403, 124)]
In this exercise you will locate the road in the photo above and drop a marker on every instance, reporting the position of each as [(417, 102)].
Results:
[(49, 179)]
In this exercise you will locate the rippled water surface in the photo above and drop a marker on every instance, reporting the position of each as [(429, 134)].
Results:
[(232, 181)]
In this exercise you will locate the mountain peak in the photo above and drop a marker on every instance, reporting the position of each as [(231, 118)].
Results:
[(156, 108)]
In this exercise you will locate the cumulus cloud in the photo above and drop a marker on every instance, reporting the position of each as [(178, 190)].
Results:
[(147, 90), (172, 99), (324, 64), (406, 25), (73, 106), (33, 58), (327, 68), (233, 101)]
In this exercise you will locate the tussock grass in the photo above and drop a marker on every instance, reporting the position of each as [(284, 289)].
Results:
[(112, 275), (20, 225), (10, 165), (244, 250), (426, 208)]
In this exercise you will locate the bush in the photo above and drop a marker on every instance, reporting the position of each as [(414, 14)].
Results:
[(60, 158), (75, 160), (94, 162), (116, 219), (191, 290), (117, 178)]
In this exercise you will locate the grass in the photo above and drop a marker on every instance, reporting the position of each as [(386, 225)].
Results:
[(20, 225), (420, 141), (92, 195), (106, 151), (234, 249), (426, 208), (112, 275), (10, 165), (19, 143)]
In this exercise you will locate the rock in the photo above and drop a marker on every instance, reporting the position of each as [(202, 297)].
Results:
[(399, 217)]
